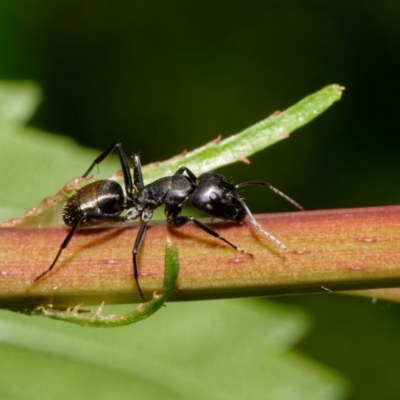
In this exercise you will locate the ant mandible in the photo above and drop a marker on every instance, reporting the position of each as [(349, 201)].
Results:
[(104, 201)]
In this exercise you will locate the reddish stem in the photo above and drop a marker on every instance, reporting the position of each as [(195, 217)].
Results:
[(331, 250)]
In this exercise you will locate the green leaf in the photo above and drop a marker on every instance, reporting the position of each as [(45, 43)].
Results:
[(214, 350), (18, 101), (41, 163)]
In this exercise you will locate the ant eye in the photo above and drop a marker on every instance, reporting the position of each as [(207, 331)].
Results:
[(214, 199)]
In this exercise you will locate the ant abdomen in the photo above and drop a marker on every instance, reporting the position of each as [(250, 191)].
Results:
[(92, 202)]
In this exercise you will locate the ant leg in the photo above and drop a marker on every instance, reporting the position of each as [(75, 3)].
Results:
[(64, 244), (100, 158), (137, 172), (177, 222), (126, 171), (274, 189), (124, 166), (71, 233), (191, 175), (135, 251)]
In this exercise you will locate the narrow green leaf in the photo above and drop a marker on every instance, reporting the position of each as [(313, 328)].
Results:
[(96, 319), (209, 157)]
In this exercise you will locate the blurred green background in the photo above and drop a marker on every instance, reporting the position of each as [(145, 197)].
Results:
[(166, 76)]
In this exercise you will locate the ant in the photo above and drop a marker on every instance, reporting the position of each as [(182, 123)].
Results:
[(104, 201)]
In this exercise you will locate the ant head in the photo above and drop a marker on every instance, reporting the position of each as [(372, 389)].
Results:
[(217, 197)]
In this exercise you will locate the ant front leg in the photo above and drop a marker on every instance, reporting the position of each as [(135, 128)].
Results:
[(176, 221)]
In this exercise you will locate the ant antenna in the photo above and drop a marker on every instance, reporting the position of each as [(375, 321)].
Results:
[(274, 189), (258, 226), (250, 215)]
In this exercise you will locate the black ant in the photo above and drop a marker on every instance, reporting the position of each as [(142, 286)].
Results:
[(104, 201)]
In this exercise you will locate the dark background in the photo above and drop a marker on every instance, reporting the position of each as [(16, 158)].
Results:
[(166, 76)]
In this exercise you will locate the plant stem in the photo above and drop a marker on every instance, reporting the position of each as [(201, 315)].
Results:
[(332, 250)]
